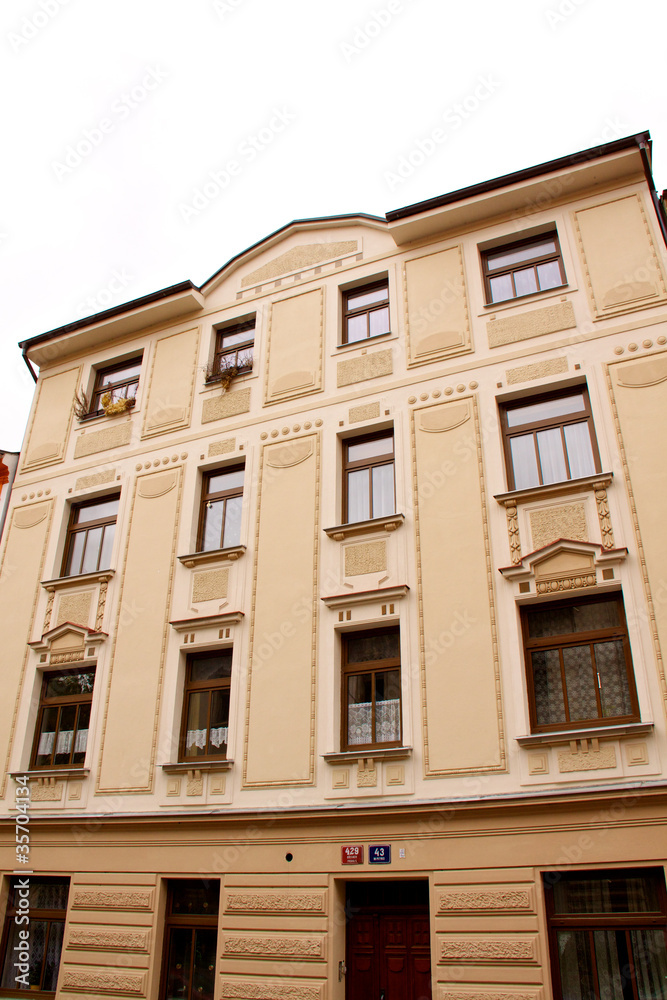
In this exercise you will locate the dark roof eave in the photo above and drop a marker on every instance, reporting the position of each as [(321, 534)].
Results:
[(145, 300), (639, 141)]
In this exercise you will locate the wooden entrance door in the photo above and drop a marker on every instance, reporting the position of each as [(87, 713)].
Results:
[(388, 953)]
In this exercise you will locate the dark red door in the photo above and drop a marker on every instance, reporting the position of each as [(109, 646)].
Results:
[(388, 949)]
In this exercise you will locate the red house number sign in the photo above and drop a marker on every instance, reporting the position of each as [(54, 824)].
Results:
[(352, 854)]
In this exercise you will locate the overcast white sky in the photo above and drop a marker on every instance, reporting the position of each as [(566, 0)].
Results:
[(118, 114)]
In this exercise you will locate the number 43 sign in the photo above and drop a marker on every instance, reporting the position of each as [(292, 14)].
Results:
[(379, 854)]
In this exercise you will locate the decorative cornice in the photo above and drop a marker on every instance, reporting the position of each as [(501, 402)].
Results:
[(65, 582), (383, 594), (192, 766), (598, 555), (630, 729), (599, 481), (390, 753), (209, 621), (379, 524), (213, 556)]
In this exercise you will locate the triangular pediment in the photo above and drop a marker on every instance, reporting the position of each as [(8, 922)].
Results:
[(566, 564), (67, 637)]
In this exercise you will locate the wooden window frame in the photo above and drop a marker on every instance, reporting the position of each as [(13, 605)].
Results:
[(369, 464), (184, 921), (208, 497), (511, 269), (232, 353), (60, 701), (599, 921), (74, 529), (51, 916), (521, 430), (99, 390), (199, 687), (352, 313), (374, 667), (570, 639)]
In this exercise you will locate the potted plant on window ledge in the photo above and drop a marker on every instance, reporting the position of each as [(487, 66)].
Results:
[(113, 407), (226, 368)]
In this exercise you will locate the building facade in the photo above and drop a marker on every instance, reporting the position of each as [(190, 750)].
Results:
[(334, 602)]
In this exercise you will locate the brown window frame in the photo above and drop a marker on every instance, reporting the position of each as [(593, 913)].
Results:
[(116, 387), (50, 916), (352, 313), (199, 687), (552, 423), (46, 702), (374, 667), (184, 922), (511, 269), (233, 352), (74, 528), (622, 922), (369, 464), (208, 497), (566, 640)]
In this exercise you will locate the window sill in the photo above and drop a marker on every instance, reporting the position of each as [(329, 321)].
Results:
[(367, 753), (224, 764), (547, 293), (378, 524), (215, 383), (389, 335), (231, 554), (51, 772), (102, 576), (592, 733), (598, 481)]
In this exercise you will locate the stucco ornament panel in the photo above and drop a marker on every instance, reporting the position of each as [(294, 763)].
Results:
[(490, 994), (285, 456), (366, 412), (297, 258), (642, 374), (48, 433), (101, 899), (114, 436), (29, 517), (98, 479), (114, 982), (368, 366), (221, 447), (562, 521), (473, 900), (154, 486), (596, 760), (294, 346), (243, 989), (298, 948), (369, 557), (227, 404), (437, 317), (210, 586), (95, 939), (443, 418), (74, 608), (276, 902), (536, 323), (47, 793), (511, 949), (540, 369)]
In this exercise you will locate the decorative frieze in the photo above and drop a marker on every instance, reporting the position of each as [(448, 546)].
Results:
[(485, 900), (113, 982), (276, 902), (368, 557), (244, 989), (497, 950), (90, 939), (566, 583), (302, 949), (368, 366), (548, 524), (113, 899), (492, 993), (595, 760)]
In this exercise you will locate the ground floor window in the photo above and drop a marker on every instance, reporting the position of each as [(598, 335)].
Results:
[(608, 934), (33, 936), (191, 936)]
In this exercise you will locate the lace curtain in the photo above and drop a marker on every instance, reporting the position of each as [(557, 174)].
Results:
[(197, 737), (387, 722)]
